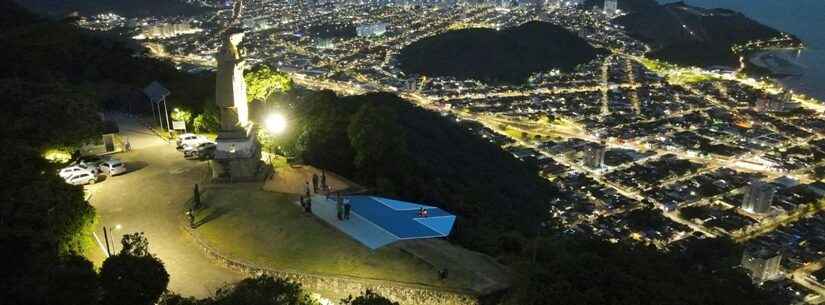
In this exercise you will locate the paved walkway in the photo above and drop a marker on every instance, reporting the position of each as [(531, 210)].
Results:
[(293, 179), (149, 199), (357, 227)]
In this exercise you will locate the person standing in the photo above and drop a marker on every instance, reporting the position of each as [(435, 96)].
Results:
[(323, 179), (306, 186), (315, 183), (196, 198), (191, 215), (347, 209)]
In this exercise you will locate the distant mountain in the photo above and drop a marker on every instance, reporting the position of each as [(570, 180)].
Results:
[(43, 51), (625, 5), (126, 8), (685, 34), (14, 15), (509, 55)]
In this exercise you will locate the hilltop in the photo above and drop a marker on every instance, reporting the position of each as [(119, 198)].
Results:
[(689, 35), (509, 55), (126, 8)]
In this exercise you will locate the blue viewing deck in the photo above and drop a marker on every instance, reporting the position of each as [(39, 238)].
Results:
[(377, 222)]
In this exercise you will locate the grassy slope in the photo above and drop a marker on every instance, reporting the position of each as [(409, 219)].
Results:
[(270, 230)]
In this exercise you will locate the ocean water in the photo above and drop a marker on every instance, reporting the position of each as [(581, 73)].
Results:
[(803, 18)]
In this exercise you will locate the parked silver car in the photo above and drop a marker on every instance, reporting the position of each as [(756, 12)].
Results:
[(112, 167), (82, 178)]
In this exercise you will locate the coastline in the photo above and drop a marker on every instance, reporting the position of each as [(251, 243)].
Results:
[(778, 61)]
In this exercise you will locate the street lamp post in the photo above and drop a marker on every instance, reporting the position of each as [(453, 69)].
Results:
[(108, 233)]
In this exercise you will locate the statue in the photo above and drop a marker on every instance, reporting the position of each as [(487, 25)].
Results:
[(238, 153), (230, 87)]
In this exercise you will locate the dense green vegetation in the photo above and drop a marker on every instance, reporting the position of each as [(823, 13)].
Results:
[(68, 63), (509, 55)]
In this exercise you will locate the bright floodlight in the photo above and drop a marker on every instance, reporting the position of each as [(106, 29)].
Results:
[(275, 123)]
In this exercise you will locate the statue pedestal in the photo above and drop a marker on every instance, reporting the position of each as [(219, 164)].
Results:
[(237, 157)]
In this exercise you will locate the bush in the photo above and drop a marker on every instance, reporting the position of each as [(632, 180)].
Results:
[(132, 280)]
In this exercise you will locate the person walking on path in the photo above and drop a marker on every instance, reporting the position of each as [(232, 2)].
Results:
[(339, 206), (191, 215), (306, 183), (347, 209), (315, 183)]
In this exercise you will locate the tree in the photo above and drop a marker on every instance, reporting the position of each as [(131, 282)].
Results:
[(135, 244), (209, 120), (368, 298), (263, 82), (44, 115), (40, 210), (262, 290), (377, 139), (73, 281), (170, 298), (184, 115), (133, 276)]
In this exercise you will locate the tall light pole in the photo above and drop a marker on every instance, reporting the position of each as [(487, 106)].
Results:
[(166, 111)]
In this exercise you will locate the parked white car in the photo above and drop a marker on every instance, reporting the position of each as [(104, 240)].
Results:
[(82, 178), (73, 170), (112, 167), (188, 139)]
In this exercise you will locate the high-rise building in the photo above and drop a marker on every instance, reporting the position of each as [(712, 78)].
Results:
[(594, 156), (762, 264), (372, 29), (611, 6), (759, 197)]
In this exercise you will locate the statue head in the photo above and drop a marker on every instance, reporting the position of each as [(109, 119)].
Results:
[(235, 38), (231, 40)]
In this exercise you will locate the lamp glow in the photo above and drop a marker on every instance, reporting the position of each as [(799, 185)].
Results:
[(275, 123)]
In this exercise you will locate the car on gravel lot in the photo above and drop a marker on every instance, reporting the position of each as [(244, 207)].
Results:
[(188, 139), (90, 161), (112, 167), (203, 150), (73, 170), (82, 178)]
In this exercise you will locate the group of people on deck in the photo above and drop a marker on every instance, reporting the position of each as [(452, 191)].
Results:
[(423, 213), (319, 183)]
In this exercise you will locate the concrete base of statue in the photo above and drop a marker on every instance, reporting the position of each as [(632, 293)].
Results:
[(237, 157)]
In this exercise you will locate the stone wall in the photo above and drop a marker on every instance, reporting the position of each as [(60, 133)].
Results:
[(336, 288)]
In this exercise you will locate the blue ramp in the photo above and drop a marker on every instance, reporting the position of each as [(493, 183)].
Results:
[(376, 222)]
